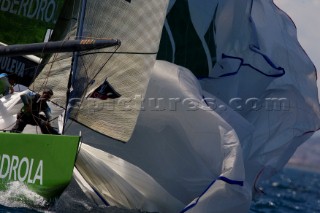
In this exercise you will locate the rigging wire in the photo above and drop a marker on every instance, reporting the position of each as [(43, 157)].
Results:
[(89, 83)]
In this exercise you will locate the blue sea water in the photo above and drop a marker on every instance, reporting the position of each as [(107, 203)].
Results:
[(292, 190)]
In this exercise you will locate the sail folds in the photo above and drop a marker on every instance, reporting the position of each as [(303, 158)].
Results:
[(199, 157), (264, 74), (268, 89)]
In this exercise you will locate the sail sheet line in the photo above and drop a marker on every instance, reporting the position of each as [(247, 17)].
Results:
[(103, 65), (48, 74), (7, 128), (89, 83), (56, 58)]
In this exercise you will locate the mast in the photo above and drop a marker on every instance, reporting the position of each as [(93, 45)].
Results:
[(74, 60)]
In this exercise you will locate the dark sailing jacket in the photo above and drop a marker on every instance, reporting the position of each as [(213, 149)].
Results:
[(37, 105)]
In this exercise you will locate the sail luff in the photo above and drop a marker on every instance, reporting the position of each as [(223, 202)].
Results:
[(74, 60)]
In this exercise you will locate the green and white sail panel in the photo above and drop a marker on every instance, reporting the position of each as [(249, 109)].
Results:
[(188, 35), (137, 24)]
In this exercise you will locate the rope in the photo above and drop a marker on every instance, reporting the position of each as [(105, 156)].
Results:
[(87, 86)]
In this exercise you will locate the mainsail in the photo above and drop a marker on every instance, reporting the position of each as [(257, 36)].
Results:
[(127, 68)]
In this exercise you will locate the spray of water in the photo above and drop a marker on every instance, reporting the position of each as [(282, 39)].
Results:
[(17, 195)]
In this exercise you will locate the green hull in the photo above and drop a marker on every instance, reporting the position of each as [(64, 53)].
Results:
[(43, 162)]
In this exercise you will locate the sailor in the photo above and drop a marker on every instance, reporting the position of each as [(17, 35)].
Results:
[(6, 84), (35, 103)]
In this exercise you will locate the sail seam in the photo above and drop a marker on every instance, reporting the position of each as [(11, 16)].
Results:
[(222, 178)]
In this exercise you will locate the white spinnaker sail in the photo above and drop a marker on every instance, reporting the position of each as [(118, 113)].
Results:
[(179, 145), (181, 150), (192, 155), (266, 77)]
